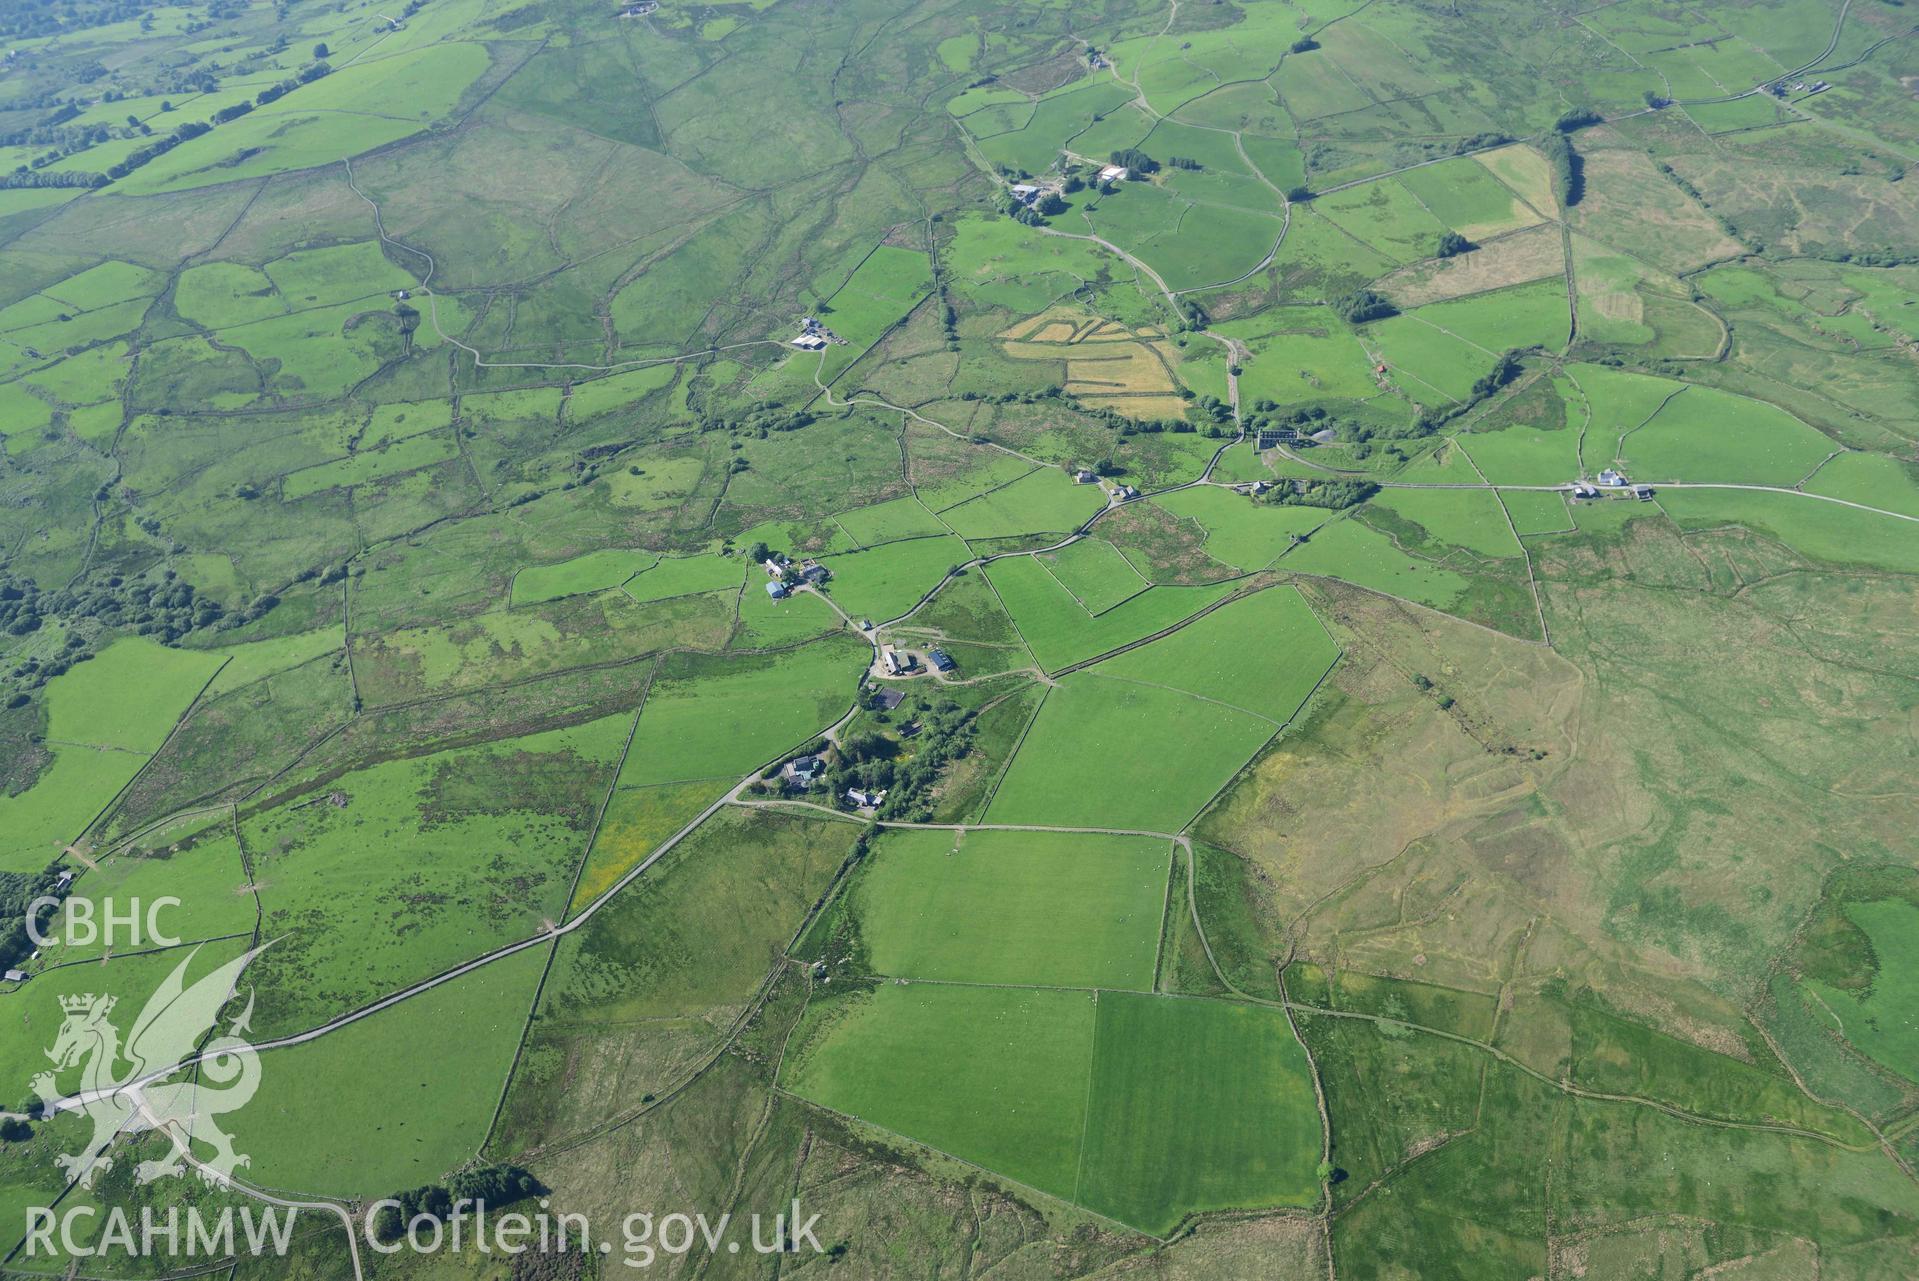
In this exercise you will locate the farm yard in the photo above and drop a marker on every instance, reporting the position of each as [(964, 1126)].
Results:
[(1267, 639)]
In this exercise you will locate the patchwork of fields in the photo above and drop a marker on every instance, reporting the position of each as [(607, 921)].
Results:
[(1272, 638)]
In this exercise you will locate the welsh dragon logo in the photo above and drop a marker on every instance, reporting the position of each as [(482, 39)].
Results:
[(135, 1086)]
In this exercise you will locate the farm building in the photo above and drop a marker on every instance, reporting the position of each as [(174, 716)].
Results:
[(1583, 490), (1025, 192), (1642, 492), (809, 342), (896, 663), (1084, 477), (804, 770), (1612, 479), (776, 589), (813, 572), (887, 699), (941, 660), (865, 799), (774, 565), (16, 976), (1115, 173)]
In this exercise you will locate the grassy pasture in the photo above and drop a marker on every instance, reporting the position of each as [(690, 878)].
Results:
[(104, 719), (636, 822), (1525, 455), (1534, 315), (765, 622), (1469, 518), (397, 458), (714, 718), (1434, 364), (33, 1009), (1300, 354), (1262, 654), (884, 582), (1042, 501), (1386, 216), (1461, 194), (1525, 171), (341, 273), (1872, 479), (423, 862), (1196, 1105), (1055, 626), (1708, 434), (1000, 263), (208, 878), (371, 1108), (996, 1076), (1348, 550), (1082, 763), (1095, 573), (675, 576), (594, 572), (604, 395), (354, 109), (1241, 533), (644, 992), (889, 522), (1533, 512), (1056, 909), (1820, 531)]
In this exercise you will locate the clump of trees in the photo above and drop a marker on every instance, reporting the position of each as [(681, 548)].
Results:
[(1305, 44), (491, 1186), (1569, 171), (1334, 495), (1453, 244), (1136, 160), (1363, 305), (1503, 371), (1577, 118), (17, 891)]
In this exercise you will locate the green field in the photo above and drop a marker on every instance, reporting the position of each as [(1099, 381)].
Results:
[(886, 581), (1094, 572), (1080, 766), (1056, 909), (1263, 654), (317, 1104), (593, 572), (674, 576), (1469, 518), (713, 718), (105, 718), (1184, 1106), (1044, 501), (1246, 535), (420, 864), (995, 1076), (1197, 1105), (1056, 627)]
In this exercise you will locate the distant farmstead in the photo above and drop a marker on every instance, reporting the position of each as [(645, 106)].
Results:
[(1115, 173)]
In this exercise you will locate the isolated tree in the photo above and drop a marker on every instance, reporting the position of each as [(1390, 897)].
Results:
[(321, 51)]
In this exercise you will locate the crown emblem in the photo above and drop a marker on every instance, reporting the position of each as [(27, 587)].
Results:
[(86, 1001)]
